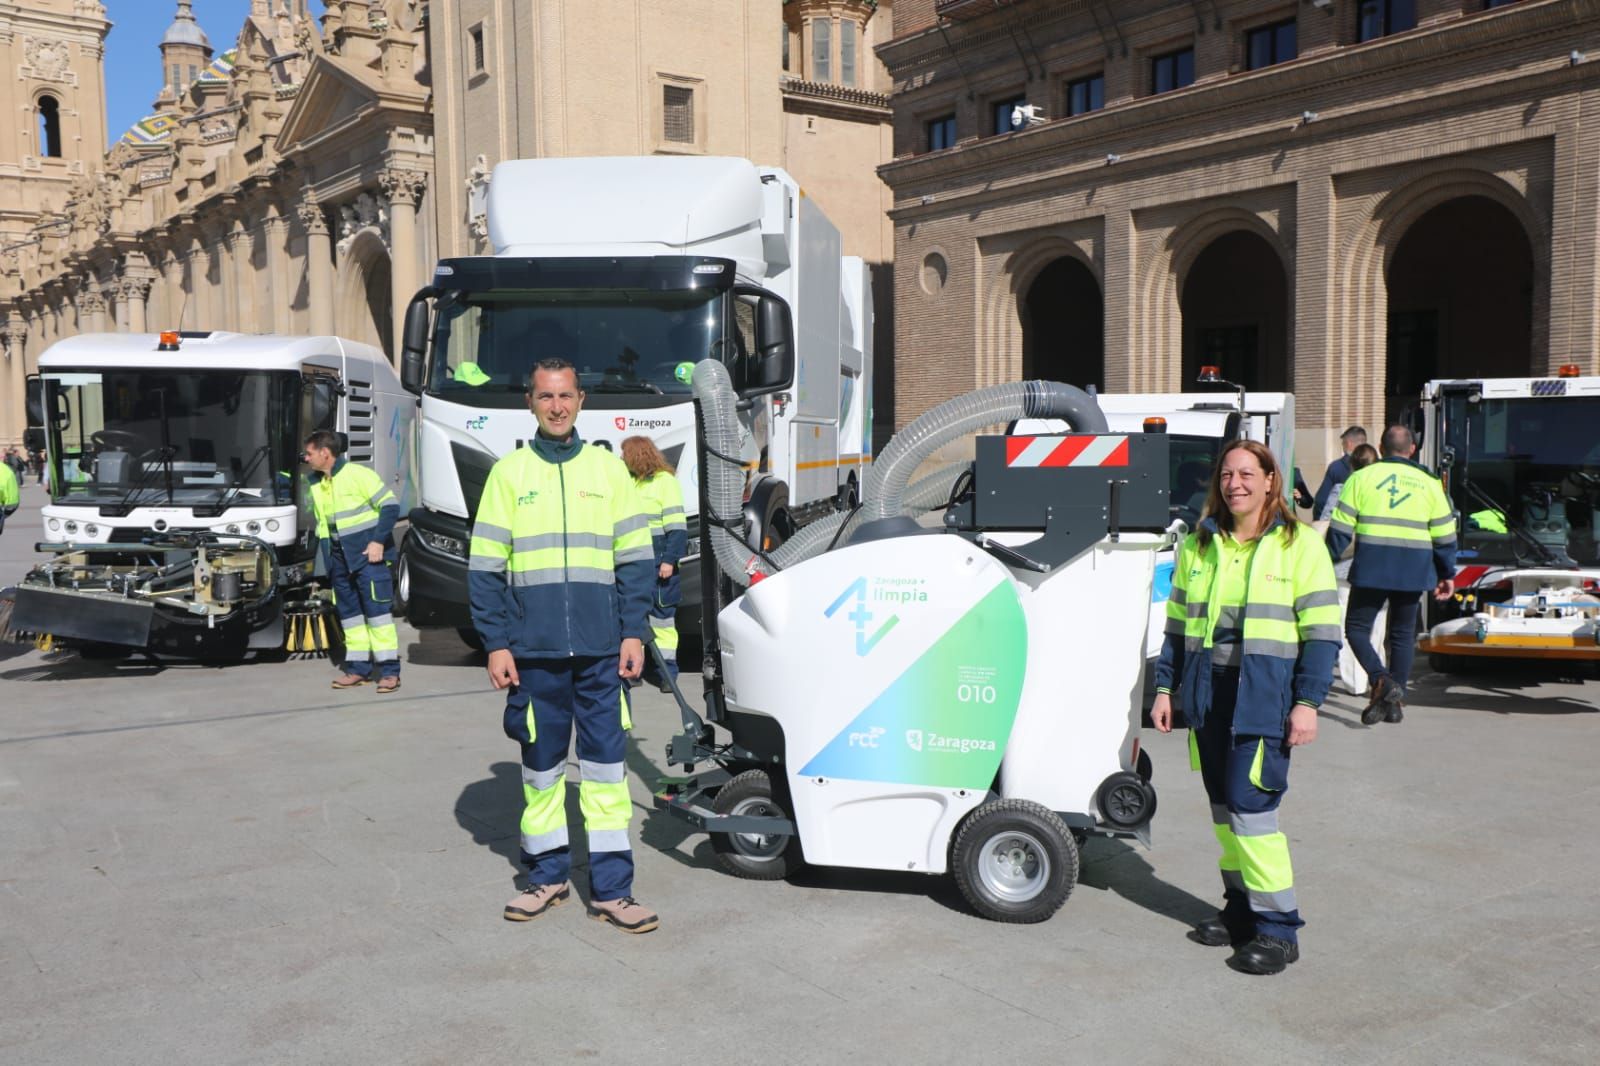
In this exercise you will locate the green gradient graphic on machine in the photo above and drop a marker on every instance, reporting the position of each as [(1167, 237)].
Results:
[(946, 720)]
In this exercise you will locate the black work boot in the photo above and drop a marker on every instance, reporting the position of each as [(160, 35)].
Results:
[(1265, 955), (1395, 709), (1218, 932), (1378, 706)]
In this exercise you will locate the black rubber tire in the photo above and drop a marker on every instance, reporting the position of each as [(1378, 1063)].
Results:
[(1037, 834), (757, 859), (401, 587), (1445, 664), (469, 637), (1126, 800)]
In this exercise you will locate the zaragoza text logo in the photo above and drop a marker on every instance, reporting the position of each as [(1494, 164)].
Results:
[(865, 640)]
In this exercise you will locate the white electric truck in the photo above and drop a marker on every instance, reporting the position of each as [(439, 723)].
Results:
[(635, 270), (179, 522), (1520, 461)]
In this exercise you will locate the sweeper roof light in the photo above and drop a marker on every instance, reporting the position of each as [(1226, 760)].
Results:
[(169, 341), (1568, 370)]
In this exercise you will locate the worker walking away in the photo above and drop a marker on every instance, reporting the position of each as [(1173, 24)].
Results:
[(356, 514), (1405, 543), (559, 580), (1251, 637), (10, 493), (662, 497)]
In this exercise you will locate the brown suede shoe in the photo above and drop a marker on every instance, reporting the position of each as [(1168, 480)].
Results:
[(627, 914), (535, 900), (349, 681), (388, 684)]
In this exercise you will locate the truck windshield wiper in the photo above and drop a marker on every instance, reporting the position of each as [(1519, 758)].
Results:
[(128, 500), (626, 386), (1546, 552), (234, 485)]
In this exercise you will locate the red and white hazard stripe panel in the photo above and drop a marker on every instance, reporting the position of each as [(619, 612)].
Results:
[(1066, 451)]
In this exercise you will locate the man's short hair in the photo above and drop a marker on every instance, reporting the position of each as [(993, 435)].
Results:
[(552, 365), (324, 438), (1398, 440), (1355, 433)]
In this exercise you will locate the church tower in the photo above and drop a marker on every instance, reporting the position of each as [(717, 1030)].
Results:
[(185, 54)]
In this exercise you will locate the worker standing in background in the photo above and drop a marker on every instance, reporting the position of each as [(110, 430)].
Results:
[(1405, 537), (1252, 634), (356, 514), (10, 493), (662, 497), (559, 580), (1337, 473)]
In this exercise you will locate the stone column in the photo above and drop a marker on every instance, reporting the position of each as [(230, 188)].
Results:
[(92, 306), (403, 187), (241, 248), (135, 291), (276, 314), (16, 336), (319, 266), (177, 305), (199, 315)]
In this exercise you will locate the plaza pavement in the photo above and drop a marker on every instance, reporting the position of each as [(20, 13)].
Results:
[(240, 865)]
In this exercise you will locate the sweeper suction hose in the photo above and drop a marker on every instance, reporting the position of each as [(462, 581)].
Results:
[(885, 493)]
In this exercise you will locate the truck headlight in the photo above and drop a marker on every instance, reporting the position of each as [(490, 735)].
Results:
[(91, 530), (72, 527), (55, 525), (443, 542), (272, 525), (253, 528)]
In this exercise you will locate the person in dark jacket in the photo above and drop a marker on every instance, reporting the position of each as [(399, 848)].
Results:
[(1338, 472)]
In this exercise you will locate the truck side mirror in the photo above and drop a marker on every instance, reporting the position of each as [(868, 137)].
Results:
[(771, 367), (324, 404), (414, 342), (35, 400)]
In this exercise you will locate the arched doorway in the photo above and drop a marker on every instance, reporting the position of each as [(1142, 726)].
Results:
[(1235, 305), (1063, 325), (365, 310), (1460, 299)]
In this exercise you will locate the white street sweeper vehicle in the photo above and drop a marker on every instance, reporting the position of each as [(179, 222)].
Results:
[(1520, 460), (898, 697), (179, 521)]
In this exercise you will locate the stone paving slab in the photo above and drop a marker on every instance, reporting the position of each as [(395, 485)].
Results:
[(240, 865)]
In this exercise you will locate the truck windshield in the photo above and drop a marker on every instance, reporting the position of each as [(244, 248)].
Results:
[(1523, 470), (138, 437), (631, 349)]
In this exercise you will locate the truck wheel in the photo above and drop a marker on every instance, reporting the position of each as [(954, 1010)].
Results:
[(1445, 664), (754, 856), (1014, 861), (402, 586)]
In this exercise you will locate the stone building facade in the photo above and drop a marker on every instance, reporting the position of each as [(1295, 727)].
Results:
[(276, 187), (794, 84), (1341, 198)]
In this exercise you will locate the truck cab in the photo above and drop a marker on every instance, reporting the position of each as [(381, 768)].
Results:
[(634, 271)]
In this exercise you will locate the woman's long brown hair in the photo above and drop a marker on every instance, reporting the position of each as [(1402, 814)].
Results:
[(643, 458), (1275, 507)]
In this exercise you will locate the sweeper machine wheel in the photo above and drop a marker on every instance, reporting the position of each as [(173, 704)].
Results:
[(757, 857), (1014, 861)]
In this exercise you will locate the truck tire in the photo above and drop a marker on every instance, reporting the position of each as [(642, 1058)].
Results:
[(748, 855), (402, 583), (1014, 861)]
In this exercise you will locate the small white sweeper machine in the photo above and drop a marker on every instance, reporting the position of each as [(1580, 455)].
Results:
[(961, 698)]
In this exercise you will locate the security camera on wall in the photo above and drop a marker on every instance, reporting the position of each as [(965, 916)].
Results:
[(1024, 115)]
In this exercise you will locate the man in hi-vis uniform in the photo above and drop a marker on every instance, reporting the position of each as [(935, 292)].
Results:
[(356, 514), (560, 577), (1405, 534)]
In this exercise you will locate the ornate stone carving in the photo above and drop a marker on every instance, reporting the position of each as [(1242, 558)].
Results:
[(91, 303), (47, 59), (134, 288), (365, 212), (403, 185), (311, 217), (478, 198)]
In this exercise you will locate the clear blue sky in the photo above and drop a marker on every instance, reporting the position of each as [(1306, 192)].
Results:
[(133, 58)]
